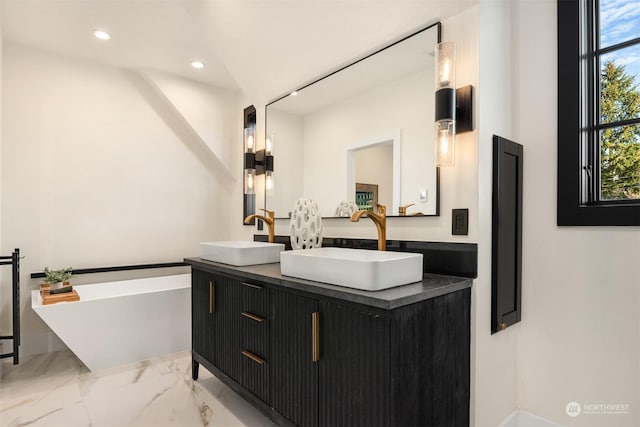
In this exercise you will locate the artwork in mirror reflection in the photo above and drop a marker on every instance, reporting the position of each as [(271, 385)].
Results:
[(370, 125)]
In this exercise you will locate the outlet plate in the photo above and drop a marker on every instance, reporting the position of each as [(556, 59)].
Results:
[(460, 222)]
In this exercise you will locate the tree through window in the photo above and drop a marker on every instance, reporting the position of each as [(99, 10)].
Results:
[(618, 127)]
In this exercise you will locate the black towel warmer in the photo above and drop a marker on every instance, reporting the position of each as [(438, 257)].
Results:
[(14, 261)]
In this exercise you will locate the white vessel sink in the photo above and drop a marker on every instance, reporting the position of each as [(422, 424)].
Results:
[(353, 268), (239, 252)]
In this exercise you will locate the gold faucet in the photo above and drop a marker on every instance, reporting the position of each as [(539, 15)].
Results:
[(379, 219), (402, 210), (269, 219)]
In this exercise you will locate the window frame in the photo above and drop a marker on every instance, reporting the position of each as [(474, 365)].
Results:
[(578, 101)]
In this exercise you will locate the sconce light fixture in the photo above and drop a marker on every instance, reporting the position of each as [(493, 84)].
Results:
[(249, 159), (257, 162), (268, 168), (249, 145), (453, 107)]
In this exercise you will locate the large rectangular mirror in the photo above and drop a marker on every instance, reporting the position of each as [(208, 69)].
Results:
[(361, 135)]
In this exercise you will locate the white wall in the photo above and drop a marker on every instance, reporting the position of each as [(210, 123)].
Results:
[(288, 152), (4, 320), (495, 363), (99, 170), (580, 334), (206, 110)]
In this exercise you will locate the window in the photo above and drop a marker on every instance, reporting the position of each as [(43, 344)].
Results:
[(598, 112)]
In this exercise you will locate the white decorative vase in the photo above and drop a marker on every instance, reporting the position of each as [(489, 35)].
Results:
[(345, 208), (306, 225)]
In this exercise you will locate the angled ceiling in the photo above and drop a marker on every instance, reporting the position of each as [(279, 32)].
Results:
[(263, 48), (149, 34)]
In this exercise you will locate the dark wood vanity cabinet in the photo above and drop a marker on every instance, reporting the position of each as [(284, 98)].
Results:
[(354, 366), (294, 382), (341, 385), (356, 384), (215, 327), (201, 314)]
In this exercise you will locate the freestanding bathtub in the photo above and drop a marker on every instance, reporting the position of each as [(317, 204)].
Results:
[(122, 322)]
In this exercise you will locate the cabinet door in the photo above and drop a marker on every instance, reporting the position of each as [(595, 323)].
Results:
[(294, 373), (226, 325), (354, 376), (202, 313)]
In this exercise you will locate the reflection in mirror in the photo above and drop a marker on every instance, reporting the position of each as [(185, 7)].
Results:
[(373, 173), (369, 123)]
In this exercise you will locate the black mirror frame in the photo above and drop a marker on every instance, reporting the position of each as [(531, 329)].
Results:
[(438, 26)]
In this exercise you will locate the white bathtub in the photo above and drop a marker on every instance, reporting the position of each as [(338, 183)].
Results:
[(122, 322)]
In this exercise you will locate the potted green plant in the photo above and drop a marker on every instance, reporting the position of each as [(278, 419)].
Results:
[(57, 278)]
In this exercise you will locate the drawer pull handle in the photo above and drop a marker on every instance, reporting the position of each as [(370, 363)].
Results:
[(253, 357), (212, 297), (315, 336), (252, 316), (251, 286)]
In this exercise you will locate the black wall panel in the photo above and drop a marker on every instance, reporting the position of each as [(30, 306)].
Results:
[(506, 251)]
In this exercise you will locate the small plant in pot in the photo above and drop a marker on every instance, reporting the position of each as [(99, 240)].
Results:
[(57, 278)]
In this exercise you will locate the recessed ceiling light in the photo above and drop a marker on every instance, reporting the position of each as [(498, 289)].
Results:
[(294, 93), (102, 35), (197, 64)]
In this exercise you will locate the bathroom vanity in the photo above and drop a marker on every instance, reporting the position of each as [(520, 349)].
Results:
[(313, 354)]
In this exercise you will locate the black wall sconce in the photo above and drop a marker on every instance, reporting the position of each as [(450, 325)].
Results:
[(249, 202), (255, 162), (454, 111)]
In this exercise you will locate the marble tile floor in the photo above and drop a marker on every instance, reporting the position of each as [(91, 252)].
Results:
[(57, 390)]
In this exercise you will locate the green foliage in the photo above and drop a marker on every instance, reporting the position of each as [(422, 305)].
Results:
[(55, 276), (619, 146)]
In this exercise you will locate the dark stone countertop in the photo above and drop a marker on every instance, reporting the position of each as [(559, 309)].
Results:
[(432, 285)]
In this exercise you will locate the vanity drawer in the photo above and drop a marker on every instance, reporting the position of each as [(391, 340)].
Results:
[(255, 299), (255, 333), (255, 374)]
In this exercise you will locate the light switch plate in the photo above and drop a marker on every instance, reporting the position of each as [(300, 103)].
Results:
[(460, 222), (422, 195)]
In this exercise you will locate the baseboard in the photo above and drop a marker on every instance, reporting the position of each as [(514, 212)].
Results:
[(521, 418)]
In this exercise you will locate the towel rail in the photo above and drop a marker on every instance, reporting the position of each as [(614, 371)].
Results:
[(15, 292)]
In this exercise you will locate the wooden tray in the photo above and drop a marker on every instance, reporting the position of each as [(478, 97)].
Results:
[(48, 298)]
